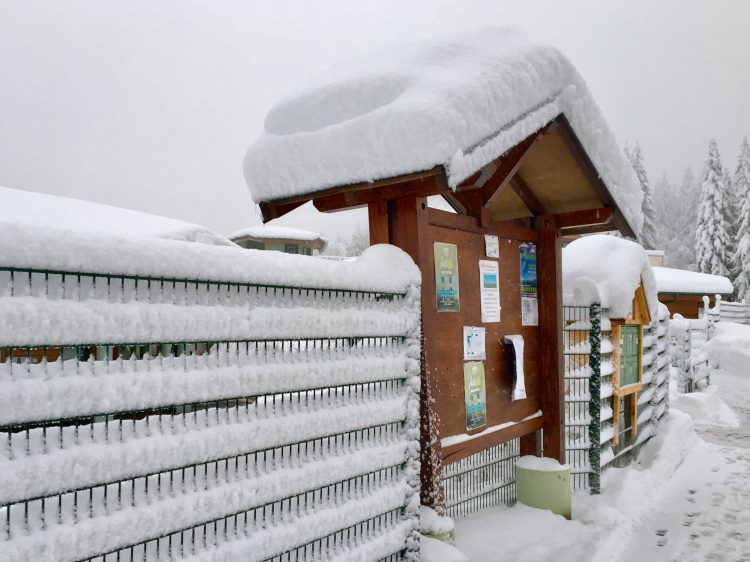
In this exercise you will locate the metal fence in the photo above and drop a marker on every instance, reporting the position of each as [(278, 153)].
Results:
[(290, 447), (588, 389), (589, 396), (484, 479)]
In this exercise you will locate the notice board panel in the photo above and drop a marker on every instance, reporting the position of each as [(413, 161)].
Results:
[(444, 335)]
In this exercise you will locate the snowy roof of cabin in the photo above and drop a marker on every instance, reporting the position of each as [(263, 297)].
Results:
[(670, 280), (38, 210), (275, 232), (607, 269), (459, 101)]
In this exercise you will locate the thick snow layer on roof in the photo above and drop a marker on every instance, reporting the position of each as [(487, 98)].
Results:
[(608, 270), (275, 232), (458, 101), (38, 210), (670, 280)]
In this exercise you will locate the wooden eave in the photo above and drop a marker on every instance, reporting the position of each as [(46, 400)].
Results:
[(548, 173)]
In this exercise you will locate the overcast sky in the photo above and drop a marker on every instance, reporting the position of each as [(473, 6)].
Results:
[(151, 105)]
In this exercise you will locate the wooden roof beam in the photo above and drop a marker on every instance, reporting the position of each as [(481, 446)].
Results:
[(588, 221), (431, 182), (526, 195), (349, 199), (507, 166), (588, 168)]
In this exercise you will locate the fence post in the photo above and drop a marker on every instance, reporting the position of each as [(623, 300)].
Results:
[(595, 400)]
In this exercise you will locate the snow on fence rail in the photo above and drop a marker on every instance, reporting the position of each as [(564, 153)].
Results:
[(169, 414), (589, 396), (726, 311)]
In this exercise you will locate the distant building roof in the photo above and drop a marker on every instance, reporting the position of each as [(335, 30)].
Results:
[(272, 232), (669, 280), (39, 210)]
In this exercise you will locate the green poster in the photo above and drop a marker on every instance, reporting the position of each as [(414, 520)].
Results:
[(474, 395), (446, 277)]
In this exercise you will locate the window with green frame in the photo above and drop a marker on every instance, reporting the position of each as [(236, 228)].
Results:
[(630, 354)]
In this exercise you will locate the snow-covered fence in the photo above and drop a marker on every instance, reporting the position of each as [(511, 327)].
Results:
[(588, 367), (688, 356), (727, 311), (586, 371), (165, 400)]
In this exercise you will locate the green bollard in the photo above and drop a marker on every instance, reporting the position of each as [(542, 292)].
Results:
[(545, 484)]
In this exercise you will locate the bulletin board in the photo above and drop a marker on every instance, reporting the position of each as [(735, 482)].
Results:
[(444, 331)]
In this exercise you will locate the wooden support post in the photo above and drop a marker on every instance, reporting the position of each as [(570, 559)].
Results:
[(549, 278), (408, 225), (378, 218)]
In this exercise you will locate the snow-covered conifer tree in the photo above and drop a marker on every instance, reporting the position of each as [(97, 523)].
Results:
[(648, 233), (713, 241), (741, 184)]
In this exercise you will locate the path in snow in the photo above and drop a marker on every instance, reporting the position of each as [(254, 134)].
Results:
[(705, 513)]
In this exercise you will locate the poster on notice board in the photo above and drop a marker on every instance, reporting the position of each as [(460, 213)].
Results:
[(489, 290), (491, 246), (529, 302), (446, 277), (474, 395), (474, 348)]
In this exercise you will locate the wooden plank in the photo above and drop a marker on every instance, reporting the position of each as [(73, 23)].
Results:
[(422, 187), (377, 213), (526, 195), (587, 217), (272, 211), (471, 224), (460, 451), (278, 207), (549, 281)]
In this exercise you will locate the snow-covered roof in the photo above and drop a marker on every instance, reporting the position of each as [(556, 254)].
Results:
[(275, 232), (459, 102), (38, 210), (607, 269), (670, 280)]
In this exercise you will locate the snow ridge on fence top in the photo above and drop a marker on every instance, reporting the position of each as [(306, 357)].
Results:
[(381, 268), (459, 101), (607, 269), (40, 210)]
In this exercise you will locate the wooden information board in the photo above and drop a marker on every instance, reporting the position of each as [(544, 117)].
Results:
[(444, 347)]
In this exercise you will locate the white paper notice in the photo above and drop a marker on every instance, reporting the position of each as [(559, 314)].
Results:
[(529, 311), (489, 290), (474, 343), (491, 246)]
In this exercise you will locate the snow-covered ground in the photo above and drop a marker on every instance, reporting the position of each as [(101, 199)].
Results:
[(687, 499)]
